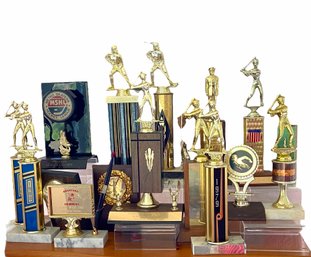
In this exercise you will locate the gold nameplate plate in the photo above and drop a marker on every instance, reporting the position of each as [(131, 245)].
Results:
[(71, 200)]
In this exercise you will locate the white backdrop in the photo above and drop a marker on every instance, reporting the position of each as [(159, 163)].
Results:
[(60, 41)]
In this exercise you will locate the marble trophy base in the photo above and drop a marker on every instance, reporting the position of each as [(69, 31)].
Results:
[(295, 213), (16, 234), (85, 240), (200, 246)]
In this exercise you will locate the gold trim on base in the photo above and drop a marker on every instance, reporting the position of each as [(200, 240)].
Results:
[(147, 201)]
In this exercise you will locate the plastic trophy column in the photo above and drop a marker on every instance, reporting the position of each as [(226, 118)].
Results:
[(123, 112), (216, 199), (17, 189), (32, 197), (254, 137), (164, 103)]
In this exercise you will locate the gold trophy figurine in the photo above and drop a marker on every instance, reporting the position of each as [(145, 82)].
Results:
[(215, 130), (211, 85), (200, 125), (255, 73), (144, 86), (284, 166), (29, 127), (281, 112), (64, 145), (115, 59), (15, 113), (157, 57)]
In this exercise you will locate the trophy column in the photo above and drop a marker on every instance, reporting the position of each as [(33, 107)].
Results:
[(17, 190), (164, 102), (254, 138), (216, 200), (123, 112), (32, 194)]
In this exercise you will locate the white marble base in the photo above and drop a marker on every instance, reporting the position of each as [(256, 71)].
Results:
[(296, 213), (16, 234), (86, 240), (201, 247)]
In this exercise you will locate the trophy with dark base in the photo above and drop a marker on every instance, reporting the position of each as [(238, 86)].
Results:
[(284, 166), (27, 183), (122, 110), (67, 128)]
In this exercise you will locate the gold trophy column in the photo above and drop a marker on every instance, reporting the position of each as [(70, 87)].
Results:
[(164, 101)]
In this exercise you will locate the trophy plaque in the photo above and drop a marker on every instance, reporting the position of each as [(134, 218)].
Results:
[(147, 161), (73, 202), (66, 108)]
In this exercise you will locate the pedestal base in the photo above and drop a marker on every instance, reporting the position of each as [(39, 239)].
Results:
[(17, 234), (200, 246), (295, 213), (86, 240)]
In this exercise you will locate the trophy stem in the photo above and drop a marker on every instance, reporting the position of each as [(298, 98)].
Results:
[(147, 201), (283, 202), (72, 228)]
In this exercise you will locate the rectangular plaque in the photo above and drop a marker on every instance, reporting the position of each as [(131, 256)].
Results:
[(66, 108), (147, 162), (71, 200)]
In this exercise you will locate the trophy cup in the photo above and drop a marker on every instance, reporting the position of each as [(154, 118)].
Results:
[(163, 101), (27, 182), (122, 110), (284, 166), (254, 122)]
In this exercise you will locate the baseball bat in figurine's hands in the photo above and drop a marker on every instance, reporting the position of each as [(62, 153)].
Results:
[(103, 193)]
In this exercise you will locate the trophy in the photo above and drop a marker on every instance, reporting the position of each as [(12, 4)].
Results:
[(14, 112), (146, 121), (254, 122), (27, 181), (67, 128), (163, 101), (242, 162), (284, 166), (122, 110), (73, 202)]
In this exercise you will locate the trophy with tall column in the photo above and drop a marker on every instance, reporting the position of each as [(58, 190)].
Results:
[(147, 149), (254, 122), (27, 180), (122, 109), (163, 101), (284, 166)]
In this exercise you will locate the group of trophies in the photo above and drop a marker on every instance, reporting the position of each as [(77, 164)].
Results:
[(241, 162)]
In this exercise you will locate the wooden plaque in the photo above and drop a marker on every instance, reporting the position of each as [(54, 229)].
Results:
[(147, 162)]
